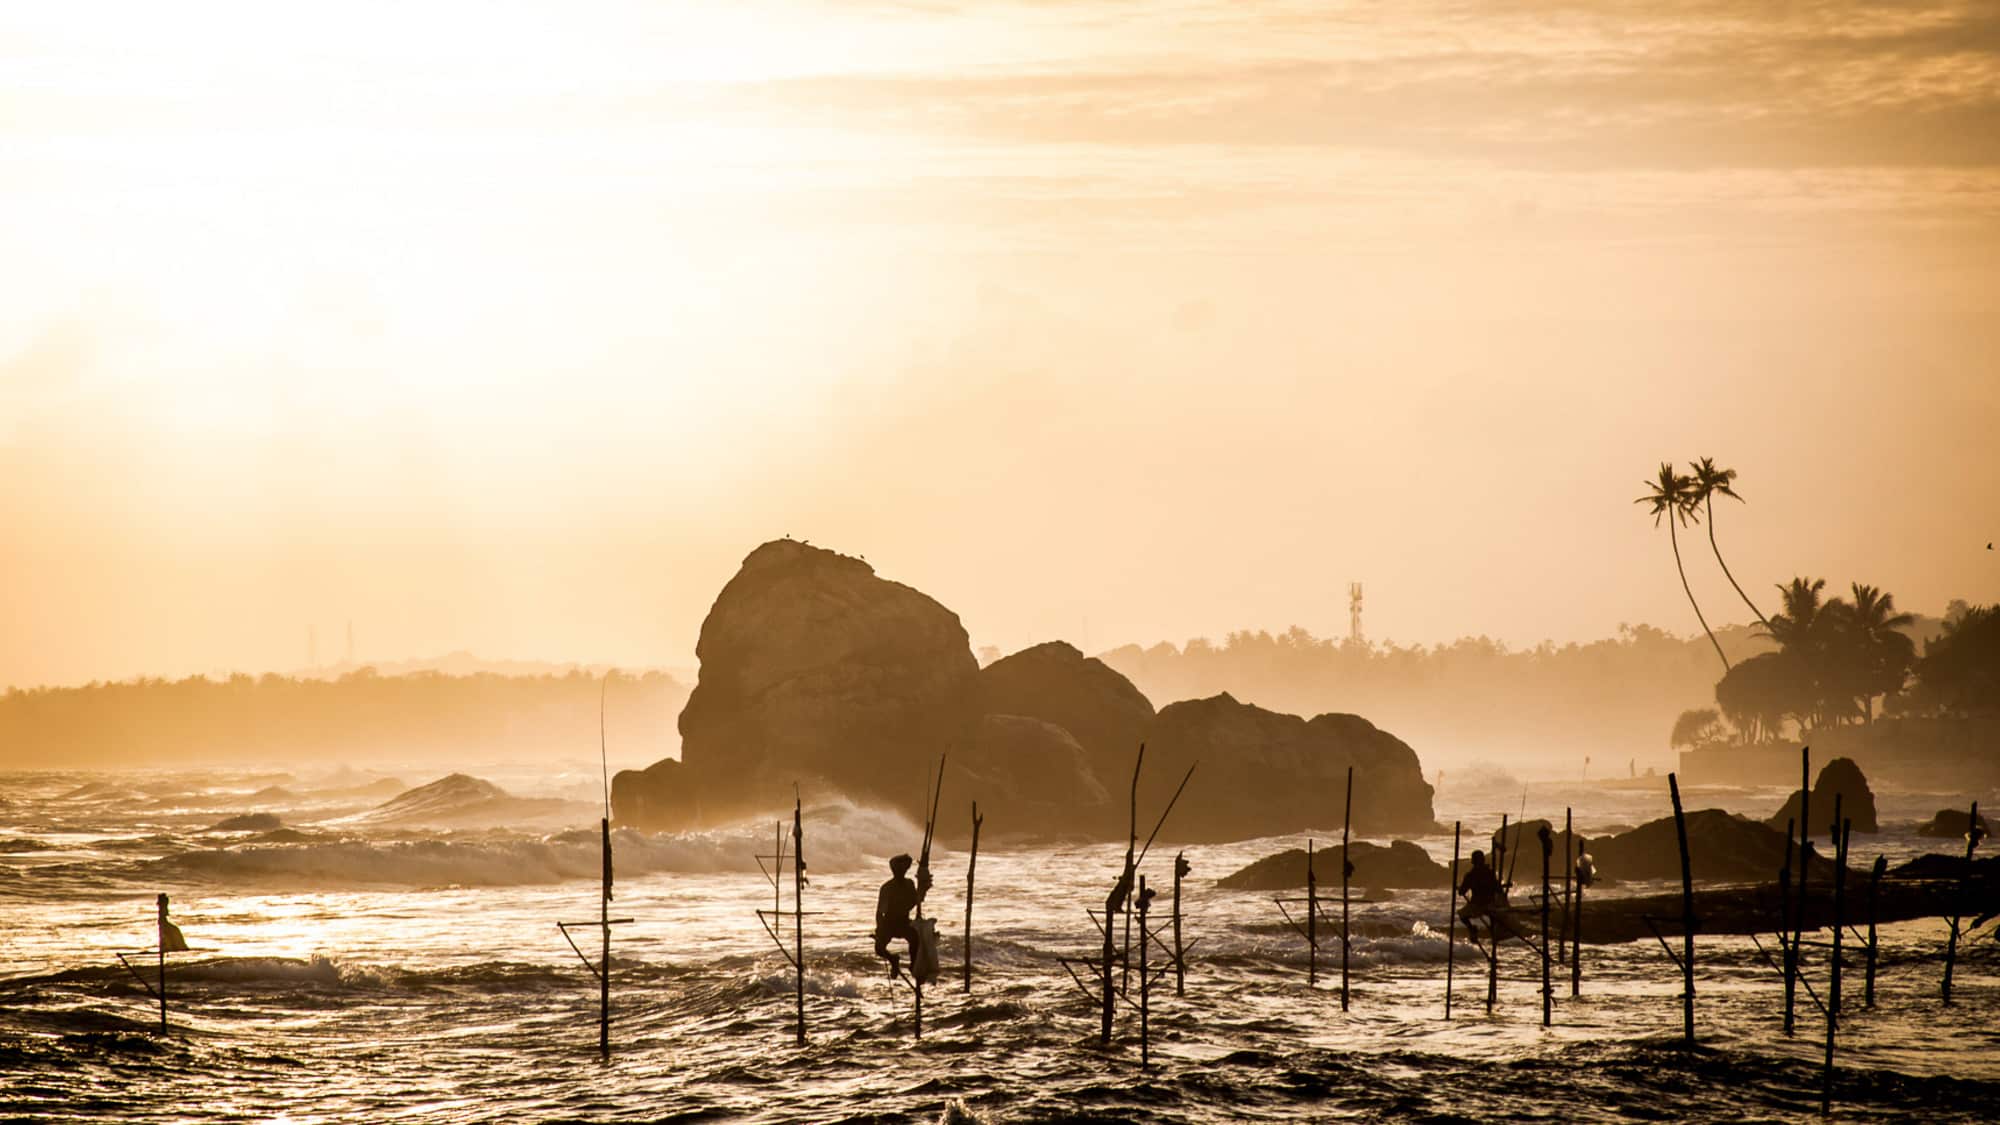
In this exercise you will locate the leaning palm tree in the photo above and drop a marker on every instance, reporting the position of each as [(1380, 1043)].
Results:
[(1708, 480), (1670, 497)]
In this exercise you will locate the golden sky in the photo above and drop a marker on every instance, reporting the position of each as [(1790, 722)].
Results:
[(512, 327)]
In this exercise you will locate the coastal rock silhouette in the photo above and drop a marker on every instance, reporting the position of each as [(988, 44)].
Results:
[(1857, 801), (1400, 864), (1098, 706), (1951, 824), (1029, 775), (1722, 848), (1263, 772), (815, 670)]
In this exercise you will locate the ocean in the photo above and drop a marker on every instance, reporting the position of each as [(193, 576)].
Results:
[(367, 964)]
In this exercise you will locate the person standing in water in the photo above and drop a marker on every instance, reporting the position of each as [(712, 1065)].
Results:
[(893, 904)]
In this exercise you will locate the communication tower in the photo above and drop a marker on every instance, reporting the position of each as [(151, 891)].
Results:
[(1354, 612)]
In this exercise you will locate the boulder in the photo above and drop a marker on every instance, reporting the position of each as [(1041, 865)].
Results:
[(1857, 802), (814, 669), (1263, 773), (1950, 824), (657, 797), (248, 822), (1722, 848), (1523, 850), (1400, 864), (1054, 682), (1029, 776)]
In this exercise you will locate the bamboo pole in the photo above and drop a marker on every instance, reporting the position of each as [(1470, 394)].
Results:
[(1493, 920), (163, 963), (1451, 919), (1687, 913), (971, 869), (1346, 870), (1972, 836), (604, 950), (1181, 869), (1548, 994), (1874, 884)]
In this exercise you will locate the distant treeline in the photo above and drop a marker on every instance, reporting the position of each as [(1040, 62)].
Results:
[(1613, 699), (361, 716)]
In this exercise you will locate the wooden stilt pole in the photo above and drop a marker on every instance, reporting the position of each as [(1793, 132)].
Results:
[(971, 869), (1839, 835), (1346, 872), (1874, 884), (1115, 902), (1562, 931), (604, 950), (1576, 935), (1687, 914), (1312, 920), (1789, 948), (1548, 993), (1451, 918), (163, 973), (1145, 983), (799, 912), (1493, 920), (1972, 836), (1805, 864), (1181, 870)]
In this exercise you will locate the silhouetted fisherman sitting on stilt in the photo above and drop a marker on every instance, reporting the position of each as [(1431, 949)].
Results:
[(898, 897), (1481, 891)]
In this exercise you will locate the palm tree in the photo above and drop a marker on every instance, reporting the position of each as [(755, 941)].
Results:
[(1670, 497), (1884, 651), (1709, 480), (1800, 629)]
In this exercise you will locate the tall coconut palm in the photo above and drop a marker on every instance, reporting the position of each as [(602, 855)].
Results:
[(1885, 652), (1670, 497), (1709, 480), (1800, 629)]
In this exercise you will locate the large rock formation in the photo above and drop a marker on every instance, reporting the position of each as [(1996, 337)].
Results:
[(814, 669), (1952, 824), (1054, 682), (1857, 802), (1722, 848), (1263, 773), (1402, 864), (1028, 775)]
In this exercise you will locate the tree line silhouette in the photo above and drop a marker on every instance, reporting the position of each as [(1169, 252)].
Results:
[(359, 715), (1834, 658)]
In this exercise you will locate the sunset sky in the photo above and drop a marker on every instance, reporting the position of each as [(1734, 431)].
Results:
[(513, 327)]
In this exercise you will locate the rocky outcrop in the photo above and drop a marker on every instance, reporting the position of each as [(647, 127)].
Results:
[(814, 669), (1055, 683), (1722, 848), (1857, 802), (1402, 864), (1030, 776), (1951, 824), (1263, 773)]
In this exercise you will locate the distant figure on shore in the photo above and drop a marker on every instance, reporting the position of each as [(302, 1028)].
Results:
[(898, 897), (1481, 890)]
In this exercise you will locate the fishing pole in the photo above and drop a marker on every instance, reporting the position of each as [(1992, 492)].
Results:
[(1163, 815), (1514, 859)]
